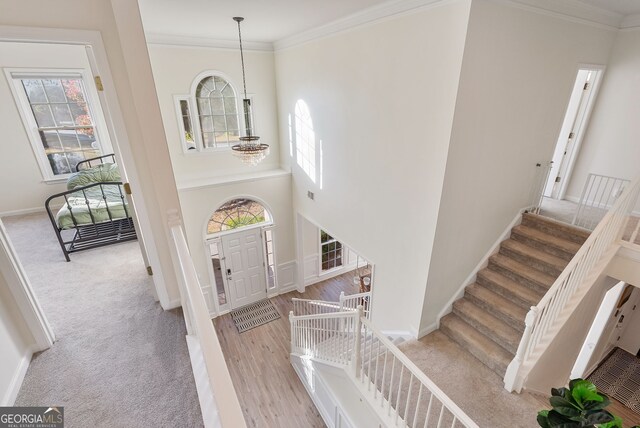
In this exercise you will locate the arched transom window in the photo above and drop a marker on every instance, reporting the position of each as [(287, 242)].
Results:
[(237, 213), (217, 112)]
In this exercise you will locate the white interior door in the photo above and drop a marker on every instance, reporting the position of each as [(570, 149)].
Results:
[(244, 267), (573, 128)]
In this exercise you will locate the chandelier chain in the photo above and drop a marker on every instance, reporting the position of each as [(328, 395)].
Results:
[(244, 80)]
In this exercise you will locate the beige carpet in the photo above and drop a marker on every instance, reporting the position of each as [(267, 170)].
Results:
[(474, 387), (119, 359)]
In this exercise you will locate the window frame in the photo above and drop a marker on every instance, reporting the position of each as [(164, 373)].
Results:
[(195, 116), (14, 78), (322, 244)]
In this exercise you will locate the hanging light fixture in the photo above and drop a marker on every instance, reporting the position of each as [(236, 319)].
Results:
[(250, 150)]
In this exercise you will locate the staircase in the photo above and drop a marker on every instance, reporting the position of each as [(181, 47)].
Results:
[(488, 320)]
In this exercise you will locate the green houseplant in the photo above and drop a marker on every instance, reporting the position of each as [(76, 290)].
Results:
[(579, 406)]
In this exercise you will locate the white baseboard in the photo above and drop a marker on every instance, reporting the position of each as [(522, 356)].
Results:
[(208, 406), (11, 393), (428, 329), (481, 265), (173, 304), (24, 211), (406, 335)]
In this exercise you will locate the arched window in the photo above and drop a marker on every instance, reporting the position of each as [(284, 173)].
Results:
[(237, 213), (305, 140), (217, 107)]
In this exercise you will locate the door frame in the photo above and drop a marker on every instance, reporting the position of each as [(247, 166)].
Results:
[(114, 118), (567, 127), (217, 239)]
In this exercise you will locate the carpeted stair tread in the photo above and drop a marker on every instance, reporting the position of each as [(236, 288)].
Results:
[(533, 257), (492, 327), (498, 306), (480, 346), (556, 228), (520, 272), (508, 288), (543, 241)]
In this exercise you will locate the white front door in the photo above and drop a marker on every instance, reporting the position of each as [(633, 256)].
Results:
[(244, 267)]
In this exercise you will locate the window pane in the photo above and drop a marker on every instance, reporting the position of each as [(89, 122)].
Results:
[(58, 104), (43, 116), (230, 105), (54, 90), (62, 115), (217, 106), (34, 90), (208, 139), (216, 102)]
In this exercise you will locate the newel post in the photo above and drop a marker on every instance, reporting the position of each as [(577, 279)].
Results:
[(293, 331), (341, 301), (512, 378), (357, 360)]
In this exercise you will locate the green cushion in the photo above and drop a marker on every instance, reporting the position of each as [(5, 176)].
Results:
[(97, 174)]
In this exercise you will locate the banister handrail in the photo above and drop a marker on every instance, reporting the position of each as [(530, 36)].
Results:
[(199, 325), (420, 375), (546, 318), (345, 314), (584, 249)]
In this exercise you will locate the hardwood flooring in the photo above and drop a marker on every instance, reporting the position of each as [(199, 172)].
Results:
[(270, 393)]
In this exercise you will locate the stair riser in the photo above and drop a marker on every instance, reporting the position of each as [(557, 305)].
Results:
[(484, 358), (517, 277), (543, 246), (551, 229), (540, 265), (495, 311), (488, 332), (504, 292)]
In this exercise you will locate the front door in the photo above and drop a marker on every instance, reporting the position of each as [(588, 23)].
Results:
[(244, 267)]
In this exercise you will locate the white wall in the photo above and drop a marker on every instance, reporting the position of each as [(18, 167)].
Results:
[(118, 22), (517, 75), (612, 143), (174, 70), (25, 189), (16, 343), (199, 204), (381, 97)]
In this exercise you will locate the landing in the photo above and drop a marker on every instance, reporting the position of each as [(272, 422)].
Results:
[(471, 385)]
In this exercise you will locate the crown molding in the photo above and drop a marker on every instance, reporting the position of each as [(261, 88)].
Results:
[(570, 10), (630, 22), (205, 42), (367, 16)]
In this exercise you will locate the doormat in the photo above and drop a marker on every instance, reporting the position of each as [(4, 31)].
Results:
[(619, 377), (254, 315)]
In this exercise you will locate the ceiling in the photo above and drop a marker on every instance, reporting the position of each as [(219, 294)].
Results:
[(273, 20), (265, 20)]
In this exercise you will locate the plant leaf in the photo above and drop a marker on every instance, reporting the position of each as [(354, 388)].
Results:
[(556, 420), (565, 407), (559, 392), (543, 419), (584, 391), (599, 417), (615, 423)]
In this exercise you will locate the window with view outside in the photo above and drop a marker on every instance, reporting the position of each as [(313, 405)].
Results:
[(186, 124), (331, 251), (65, 127), (218, 112), (237, 213)]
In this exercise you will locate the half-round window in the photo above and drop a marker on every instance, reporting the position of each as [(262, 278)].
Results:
[(217, 106), (238, 213)]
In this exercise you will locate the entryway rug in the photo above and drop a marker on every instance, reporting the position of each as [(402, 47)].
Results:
[(619, 377), (254, 315)]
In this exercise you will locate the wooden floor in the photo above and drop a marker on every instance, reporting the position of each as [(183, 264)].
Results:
[(270, 393)]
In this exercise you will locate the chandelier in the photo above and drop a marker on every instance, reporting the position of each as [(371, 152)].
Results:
[(250, 150)]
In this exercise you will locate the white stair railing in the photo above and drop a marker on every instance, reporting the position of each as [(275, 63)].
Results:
[(397, 390), (546, 319), (227, 412), (352, 301), (538, 186), (598, 195), (313, 307)]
